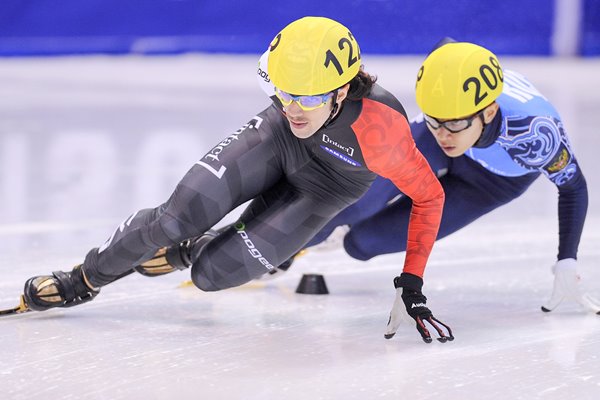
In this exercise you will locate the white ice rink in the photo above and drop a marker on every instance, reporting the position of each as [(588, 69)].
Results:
[(86, 141)]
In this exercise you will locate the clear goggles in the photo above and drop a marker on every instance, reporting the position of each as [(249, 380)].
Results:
[(307, 103), (452, 125)]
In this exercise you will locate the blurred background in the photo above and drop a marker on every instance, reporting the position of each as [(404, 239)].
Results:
[(59, 27)]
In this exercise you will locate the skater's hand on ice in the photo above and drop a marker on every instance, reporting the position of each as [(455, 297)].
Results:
[(410, 306), (567, 285)]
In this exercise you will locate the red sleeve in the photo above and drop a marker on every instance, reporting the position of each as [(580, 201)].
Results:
[(389, 150)]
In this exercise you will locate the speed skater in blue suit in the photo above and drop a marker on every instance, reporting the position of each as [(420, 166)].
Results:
[(488, 134)]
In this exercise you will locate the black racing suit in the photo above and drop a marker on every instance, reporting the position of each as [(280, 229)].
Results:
[(296, 187)]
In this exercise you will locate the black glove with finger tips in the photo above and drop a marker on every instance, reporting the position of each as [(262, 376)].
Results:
[(411, 305)]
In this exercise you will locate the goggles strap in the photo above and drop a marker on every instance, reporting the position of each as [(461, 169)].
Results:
[(333, 109)]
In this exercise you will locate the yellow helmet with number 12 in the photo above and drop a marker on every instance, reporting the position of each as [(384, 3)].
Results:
[(458, 80), (313, 55)]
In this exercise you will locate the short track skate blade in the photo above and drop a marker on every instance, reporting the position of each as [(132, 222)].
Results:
[(20, 309)]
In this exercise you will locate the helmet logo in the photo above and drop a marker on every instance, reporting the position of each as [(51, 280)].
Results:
[(438, 87), (330, 58), (489, 75)]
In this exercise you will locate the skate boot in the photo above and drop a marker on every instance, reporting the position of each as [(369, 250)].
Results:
[(174, 258), (61, 289)]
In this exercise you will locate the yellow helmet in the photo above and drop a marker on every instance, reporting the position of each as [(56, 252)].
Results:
[(457, 80), (313, 55)]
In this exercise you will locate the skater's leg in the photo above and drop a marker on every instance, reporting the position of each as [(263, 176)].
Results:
[(471, 192), (200, 200), (273, 228), (205, 194)]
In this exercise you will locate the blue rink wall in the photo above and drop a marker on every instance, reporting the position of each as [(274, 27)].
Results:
[(518, 27)]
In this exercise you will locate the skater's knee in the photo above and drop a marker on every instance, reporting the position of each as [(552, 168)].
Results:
[(168, 229), (202, 283), (353, 250), (366, 245), (206, 278), (205, 274), (214, 269)]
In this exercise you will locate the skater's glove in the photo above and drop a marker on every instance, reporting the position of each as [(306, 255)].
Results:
[(410, 306), (567, 285)]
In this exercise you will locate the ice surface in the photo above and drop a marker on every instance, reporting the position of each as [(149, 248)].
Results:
[(86, 141)]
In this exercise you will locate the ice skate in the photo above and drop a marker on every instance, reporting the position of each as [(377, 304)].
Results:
[(174, 258), (61, 289)]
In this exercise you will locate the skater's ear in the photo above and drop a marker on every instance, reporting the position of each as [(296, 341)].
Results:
[(490, 112), (342, 93)]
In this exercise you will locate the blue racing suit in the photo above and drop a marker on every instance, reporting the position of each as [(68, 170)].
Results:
[(525, 139)]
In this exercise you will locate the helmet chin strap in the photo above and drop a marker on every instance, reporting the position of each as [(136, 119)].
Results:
[(489, 132), (334, 109)]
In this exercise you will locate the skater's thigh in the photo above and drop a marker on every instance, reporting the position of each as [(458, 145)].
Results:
[(214, 186), (275, 226)]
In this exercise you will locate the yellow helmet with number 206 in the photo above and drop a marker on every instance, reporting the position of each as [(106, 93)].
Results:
[(313, 55), (457, 80)]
